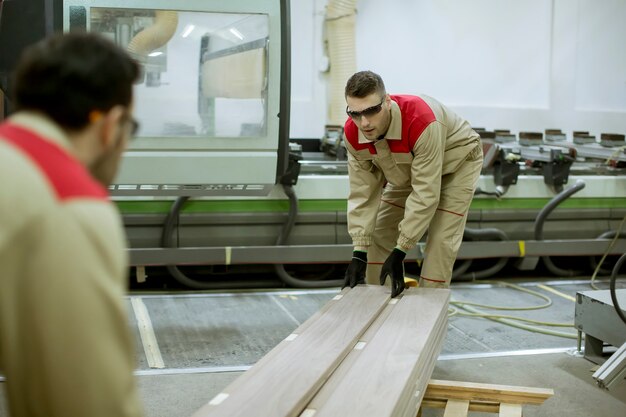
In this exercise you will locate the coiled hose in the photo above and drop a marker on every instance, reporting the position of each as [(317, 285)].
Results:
[(541, 218)]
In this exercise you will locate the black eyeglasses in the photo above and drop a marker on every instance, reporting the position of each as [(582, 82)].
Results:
[(370, 111)]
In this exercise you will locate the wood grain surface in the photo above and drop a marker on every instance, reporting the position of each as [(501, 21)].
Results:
[(284, 383), (382, 380)]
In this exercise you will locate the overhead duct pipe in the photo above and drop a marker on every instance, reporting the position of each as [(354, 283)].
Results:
[(340, 27), (154, 36)]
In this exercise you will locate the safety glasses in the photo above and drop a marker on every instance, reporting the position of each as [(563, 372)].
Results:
[(370, 111)]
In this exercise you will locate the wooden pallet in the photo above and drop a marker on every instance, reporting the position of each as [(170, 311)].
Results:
[(458, 398)]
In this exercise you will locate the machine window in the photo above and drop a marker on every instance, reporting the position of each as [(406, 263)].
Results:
[(204, 74)]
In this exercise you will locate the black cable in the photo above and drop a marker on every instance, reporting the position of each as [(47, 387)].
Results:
[(541, 217), (457, 273), (592, 259), (616, 305), (167, 242), (282, 239), (481, 234)]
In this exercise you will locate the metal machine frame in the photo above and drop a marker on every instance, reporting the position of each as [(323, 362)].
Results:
[(595, 316)]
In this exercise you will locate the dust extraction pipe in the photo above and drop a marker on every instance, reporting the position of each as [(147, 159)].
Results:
[(156, 35), (541, 218), (340, 24)]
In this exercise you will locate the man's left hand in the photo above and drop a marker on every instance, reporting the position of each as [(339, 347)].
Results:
[(393, 267)]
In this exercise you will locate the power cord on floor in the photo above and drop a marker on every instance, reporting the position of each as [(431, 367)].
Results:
[(512, 320)]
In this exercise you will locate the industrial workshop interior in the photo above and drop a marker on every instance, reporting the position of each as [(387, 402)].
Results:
[(234, 197)]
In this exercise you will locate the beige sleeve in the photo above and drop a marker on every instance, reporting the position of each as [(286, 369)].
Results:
[(366, 184), (80, 354), (423, 200)]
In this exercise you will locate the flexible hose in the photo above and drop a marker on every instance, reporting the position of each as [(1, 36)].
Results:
[(178, 275), (616, 235), (481, 234), (618, 309), (541, 217), (597, 266), (486, 273), (548, 300), (513, 323), (282, 239), (512, 320), (460, 270), (156, 35)]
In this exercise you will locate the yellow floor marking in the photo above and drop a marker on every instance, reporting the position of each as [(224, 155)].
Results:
[(146, 331)]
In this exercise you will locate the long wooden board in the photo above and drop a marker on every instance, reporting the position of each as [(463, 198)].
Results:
[(335, 379), (286, 382), (376, 383), (413, 395)]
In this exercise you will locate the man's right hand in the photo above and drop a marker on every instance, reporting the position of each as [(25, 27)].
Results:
[(356, 271)]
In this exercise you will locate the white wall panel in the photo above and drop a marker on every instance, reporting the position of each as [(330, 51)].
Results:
[(601, 58), (481, 52), (521, 65)]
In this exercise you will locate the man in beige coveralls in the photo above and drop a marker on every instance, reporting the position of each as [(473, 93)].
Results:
[(413, 166), (65, 346)]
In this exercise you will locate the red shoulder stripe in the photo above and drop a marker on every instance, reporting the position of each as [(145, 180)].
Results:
[(416, 116), (352, 135), (67, 176)]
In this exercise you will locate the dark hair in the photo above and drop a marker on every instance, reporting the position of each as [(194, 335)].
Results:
[(364, 83), (67, 76)]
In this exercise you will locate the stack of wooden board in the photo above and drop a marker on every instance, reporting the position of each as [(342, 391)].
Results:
[(363, 354)]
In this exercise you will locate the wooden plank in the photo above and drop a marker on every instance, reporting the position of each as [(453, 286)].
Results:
[(456, 408), (331, 385), (482, 407), (283, 385), (510, 410), (424, 369), (487, 392), (373, 386), (275, 353)]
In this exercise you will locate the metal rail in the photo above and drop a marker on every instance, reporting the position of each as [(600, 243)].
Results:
[(307, 254)]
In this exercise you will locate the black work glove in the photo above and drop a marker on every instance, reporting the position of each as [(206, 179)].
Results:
[(393, 267), (356, 271)]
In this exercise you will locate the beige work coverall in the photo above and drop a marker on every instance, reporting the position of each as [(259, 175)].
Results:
[(65, 344), (421, 176)]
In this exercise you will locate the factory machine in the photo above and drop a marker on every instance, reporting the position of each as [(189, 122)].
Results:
[(213, 179)]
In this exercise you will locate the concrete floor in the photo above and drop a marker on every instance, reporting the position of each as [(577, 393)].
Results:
[(206, 340)]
